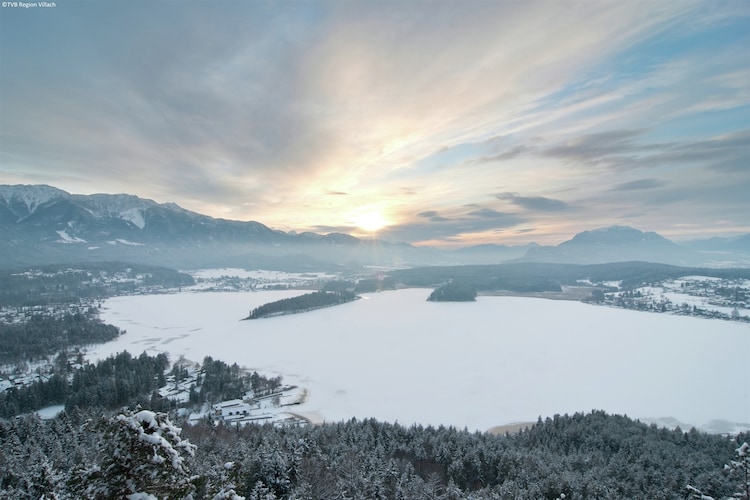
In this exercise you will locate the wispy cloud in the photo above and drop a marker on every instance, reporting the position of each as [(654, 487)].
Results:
[(609, 148), (302, 115), (639, 185), (538, 203), (504, 156), (457, 225), (433, 216)]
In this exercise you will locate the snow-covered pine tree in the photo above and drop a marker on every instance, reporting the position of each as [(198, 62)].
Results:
[(741, 469), (143, 458), (262, 492), (696, 494)]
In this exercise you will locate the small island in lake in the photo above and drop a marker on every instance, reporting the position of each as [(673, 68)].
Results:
[(303, 303), (453, 292)]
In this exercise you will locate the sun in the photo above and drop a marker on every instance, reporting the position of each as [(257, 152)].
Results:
[(370, 222)]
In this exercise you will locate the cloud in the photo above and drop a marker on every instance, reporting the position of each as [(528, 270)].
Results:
[(433, 216), (460, 221), (537, 203), (489, 213), (507, 155), (723, 149), (639, 184), (619, 149), (606, 148), (300, 114), (736, 165)]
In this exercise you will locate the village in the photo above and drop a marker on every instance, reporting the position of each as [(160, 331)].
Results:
[(718, 298), (272, 406), (65, 291)]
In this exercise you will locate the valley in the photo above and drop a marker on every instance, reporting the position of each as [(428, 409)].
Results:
[(351, 250), (546, 349)]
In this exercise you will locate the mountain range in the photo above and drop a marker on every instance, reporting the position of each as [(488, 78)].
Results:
[(40, 224)]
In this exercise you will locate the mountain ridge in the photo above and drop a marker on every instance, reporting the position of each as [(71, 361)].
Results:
[(614, 244), (42, 224)]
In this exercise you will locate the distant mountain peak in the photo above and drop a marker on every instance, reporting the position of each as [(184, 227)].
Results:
[(616, 234), (613, 244), (24, 199)]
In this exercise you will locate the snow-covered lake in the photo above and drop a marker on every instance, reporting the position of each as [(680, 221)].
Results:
[(396, 357)]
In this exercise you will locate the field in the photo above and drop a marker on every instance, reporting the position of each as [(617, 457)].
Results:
[(396, 357)]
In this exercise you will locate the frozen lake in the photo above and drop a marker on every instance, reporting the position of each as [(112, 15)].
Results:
[(396, 357)]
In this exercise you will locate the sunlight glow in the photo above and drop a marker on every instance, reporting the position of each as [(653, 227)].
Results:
[(370, 222)]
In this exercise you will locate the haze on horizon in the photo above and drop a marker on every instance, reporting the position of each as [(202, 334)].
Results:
[(443, 123)]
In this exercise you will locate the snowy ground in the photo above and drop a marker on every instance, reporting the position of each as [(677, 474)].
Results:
[(396, 357), (233, 279), (50, 412)]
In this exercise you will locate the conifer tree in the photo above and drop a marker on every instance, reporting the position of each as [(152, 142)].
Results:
[(741, 468), (144, 457)]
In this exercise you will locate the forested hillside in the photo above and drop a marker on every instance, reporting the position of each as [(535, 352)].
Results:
[(84, 455), (124, 379), (111, 383), (45, 335)]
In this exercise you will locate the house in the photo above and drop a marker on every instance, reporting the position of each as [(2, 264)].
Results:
[(232, 409)]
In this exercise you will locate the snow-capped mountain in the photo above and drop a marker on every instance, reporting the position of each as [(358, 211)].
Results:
[(21, 201), (41, 224), (50, 214)]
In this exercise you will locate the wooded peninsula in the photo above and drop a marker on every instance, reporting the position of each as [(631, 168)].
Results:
[(302, 303)]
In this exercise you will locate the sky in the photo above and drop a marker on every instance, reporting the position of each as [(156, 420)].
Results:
[(431, 122)]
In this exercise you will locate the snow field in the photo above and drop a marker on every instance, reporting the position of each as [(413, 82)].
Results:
[(396, 357)]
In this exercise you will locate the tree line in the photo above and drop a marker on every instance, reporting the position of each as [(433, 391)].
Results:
[(140, 452), (546, 277), (453, 292), (44, 335)]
